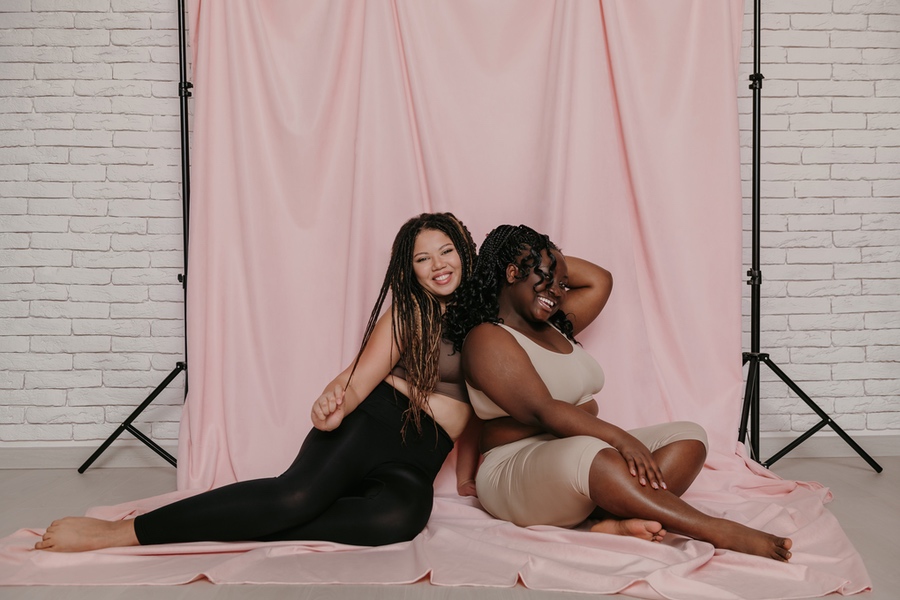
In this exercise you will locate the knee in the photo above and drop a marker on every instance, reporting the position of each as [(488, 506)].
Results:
[(407, 521), (404, 505), (608, 466), (690, 431)]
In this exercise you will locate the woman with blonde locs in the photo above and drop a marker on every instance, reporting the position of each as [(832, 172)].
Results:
[(382, 428), (549, 460)]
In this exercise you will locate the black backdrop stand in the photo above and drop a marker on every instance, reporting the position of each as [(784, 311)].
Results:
[(750, 411), (184, 91)]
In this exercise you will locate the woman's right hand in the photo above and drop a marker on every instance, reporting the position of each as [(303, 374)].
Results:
[(328, 409), (640, 461)]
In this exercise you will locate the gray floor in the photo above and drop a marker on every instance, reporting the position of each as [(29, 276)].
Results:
[(867, 505)]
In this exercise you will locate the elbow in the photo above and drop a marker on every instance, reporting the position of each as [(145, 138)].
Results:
[(546, 417), (606, 278)]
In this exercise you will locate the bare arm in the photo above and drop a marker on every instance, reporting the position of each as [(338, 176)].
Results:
[(506, 430), (498, 366), (468, 457), (589, 288), (340, 399)]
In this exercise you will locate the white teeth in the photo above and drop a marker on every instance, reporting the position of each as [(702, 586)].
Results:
[(442, 278), (546, 302)]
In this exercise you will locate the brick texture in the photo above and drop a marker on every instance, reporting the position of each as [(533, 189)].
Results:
[(90, 209)]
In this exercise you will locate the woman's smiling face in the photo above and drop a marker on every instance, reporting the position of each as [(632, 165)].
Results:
[(436, 263), (540, 295)]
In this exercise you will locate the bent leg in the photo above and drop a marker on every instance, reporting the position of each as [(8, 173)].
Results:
[(544, 480), (680, 463), (393, 504), (679, 449), (614, 490)]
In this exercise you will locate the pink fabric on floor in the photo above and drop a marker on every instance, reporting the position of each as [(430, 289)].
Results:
[(321, 126), (464, 546)]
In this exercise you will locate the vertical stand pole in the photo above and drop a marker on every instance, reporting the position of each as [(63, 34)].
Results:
[(184, 87), (750, 409)]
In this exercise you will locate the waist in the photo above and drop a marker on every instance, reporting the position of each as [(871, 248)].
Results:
[(389, 405), (451, 414), (505, 430)]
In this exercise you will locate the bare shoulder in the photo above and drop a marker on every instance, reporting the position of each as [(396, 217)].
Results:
[(486, 335), (490, 348)]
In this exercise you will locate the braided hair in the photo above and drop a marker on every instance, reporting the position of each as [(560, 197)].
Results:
[(477, 299), (416, 315)]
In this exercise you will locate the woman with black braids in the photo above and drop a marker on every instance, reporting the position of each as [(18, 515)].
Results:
[(548, 459), (382, 428)]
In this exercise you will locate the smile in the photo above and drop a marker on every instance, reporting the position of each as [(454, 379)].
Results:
[(442, 278), (547, 303)]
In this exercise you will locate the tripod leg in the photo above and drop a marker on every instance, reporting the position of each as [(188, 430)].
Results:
[(750, 410), (126, 424), (826, 420)]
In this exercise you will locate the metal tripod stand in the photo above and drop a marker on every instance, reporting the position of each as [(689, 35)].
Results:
[(750, 411), (184, 87)]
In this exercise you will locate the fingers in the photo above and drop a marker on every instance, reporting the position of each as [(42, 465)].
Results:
[(328, 403), (647, 471), (337, 394), (654, 474), (632, 466), (45, 541)]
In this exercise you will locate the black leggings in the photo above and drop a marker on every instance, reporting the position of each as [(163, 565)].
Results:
[(361, 484)]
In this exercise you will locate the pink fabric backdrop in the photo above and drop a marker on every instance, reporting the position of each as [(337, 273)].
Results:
[(321, 126)]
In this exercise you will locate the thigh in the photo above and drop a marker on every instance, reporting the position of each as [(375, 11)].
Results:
[(391, 504), (540, 481), (663, 434), (330, 463)]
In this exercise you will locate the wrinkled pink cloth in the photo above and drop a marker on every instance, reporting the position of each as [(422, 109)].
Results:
[(462, 546), (321, 126)]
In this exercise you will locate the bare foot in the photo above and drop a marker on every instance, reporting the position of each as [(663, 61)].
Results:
[(78, 534), (734, 536), (652, 531)]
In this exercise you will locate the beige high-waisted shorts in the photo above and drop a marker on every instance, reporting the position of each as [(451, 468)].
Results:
[(543, 480)]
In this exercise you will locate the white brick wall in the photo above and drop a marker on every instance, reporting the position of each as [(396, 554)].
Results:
[(90, 219), (90, 214), (830, 210)]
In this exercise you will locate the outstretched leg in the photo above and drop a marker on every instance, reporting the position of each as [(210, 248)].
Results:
[(328, 466), (614, 490)]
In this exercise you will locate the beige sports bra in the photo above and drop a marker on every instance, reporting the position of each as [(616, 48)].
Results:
[(572, 378)]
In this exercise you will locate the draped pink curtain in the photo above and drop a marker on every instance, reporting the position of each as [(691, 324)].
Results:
[(321, 126)]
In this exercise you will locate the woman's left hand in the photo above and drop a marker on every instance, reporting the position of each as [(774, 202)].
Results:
[(640, 461)]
